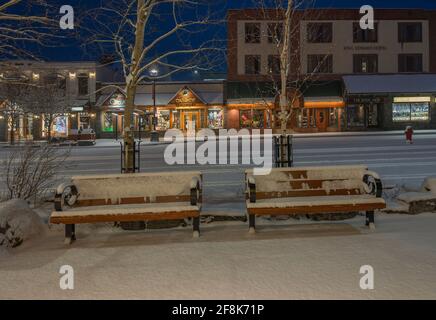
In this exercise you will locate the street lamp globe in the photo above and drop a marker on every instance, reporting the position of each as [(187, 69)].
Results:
[(154, 72)]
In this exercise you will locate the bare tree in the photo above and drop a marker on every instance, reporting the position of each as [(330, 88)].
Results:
[(29, 170), (11, 95), (48, 99), (27, 23), (290, 80), (153, 34)]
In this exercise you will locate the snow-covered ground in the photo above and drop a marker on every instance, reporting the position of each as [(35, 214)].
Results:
[(283, 260)]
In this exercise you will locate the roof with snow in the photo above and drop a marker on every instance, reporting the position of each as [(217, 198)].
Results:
[(397, 83)]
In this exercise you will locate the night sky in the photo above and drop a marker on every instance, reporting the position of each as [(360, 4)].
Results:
[(72, 51)]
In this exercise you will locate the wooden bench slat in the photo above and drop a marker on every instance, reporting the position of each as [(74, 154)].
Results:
[(315, 209), (306, 193), (132, 200), (71, 219)]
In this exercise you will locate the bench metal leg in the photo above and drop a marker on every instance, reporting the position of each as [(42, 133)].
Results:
[(252, 223), (70, 233), (196, 227), (370, 219)]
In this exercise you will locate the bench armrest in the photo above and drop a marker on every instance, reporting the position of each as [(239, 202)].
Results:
[(62, 198), (251, 189), (373, 181), (195, 191)]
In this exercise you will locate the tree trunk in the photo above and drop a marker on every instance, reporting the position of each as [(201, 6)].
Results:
[(131, 83), (128, 135)]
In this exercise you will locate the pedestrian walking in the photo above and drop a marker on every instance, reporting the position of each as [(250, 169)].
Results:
[(409, 134)]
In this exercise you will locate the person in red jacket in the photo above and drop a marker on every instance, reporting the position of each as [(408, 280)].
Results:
[(409, 134)]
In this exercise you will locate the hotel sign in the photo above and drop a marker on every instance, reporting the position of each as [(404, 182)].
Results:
[(365, 99)]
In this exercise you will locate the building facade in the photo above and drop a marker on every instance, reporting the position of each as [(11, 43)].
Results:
[(177, 105), (328, 45), (77, 82)]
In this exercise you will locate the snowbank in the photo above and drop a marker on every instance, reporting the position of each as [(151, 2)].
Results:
[(18, 223), (429, 184)]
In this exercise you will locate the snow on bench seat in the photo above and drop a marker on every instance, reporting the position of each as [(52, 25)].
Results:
[(318, 204), (126, 212), (128, 197)]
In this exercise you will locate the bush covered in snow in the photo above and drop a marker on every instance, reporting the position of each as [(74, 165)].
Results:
[(18, 223)]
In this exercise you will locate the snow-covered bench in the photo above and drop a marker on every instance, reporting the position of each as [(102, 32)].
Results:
[(128, 197), (313, 190)]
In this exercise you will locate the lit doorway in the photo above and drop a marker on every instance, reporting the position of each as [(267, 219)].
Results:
[(191, 120)]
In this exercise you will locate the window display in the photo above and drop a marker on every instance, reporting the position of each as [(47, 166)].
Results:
[(215, 119), (60, 125), (108, 123), (257, 119), (372, 115), (163, 120), (419, 111), (245, 118), (356, 116), (401, 112), (410, 111)]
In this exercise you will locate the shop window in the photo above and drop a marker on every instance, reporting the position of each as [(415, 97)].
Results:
[(410, 63), (252, 64), (356, 116), (410, 112), (216, 119), (84, 119), (245, 118), (163, 120), (258, 117), (364, 35), (320, 32), (372, 115), (333, 117), (108, 122), (306, 118), (176, 119), (60, 125), (275, 33), (252, 33), (409, 32), (319, 63), (365, 63)]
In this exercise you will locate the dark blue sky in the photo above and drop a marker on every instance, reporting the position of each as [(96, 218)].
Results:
[(72, 51)]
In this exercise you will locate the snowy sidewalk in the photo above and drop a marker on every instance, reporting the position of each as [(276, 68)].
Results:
[(282, 261)]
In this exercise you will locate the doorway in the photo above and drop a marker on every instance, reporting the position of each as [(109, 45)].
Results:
[(191, 120), (322, 119)]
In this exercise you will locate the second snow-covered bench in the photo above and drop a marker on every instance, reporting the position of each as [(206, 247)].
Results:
[(314, 190), (128, 197)]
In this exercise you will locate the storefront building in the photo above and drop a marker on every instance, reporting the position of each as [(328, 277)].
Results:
[(390, 102), (176, 105), (250, 105), (75, 80), (322, 108)]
